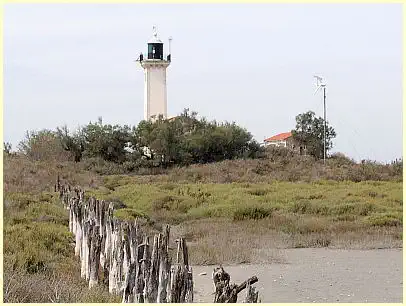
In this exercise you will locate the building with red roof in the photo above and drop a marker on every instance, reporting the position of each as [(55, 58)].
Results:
[(280, 140), (285, 140)]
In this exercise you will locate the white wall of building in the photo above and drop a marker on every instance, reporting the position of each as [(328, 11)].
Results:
[(277, 143)]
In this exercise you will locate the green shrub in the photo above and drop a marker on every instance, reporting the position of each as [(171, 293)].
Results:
[(165, 202), (316, 196), (343, 209), (20, 200), (44, 145), (173, 203), (385, 219), (364, 209), (340, 160), (102, 167), (301, 207), (113, 181), (130, 214), (251, 213), (258, 192), (37, 246), (168, 186)]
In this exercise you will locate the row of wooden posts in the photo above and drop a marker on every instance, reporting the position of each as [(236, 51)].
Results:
[(121, 256)]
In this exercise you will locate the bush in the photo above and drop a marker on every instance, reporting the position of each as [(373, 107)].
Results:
[(102, 167), (130, 214), (385, 219), (258, 192), (278, 153), (44, 145), (339, 160), (251, 213), (173, 203)]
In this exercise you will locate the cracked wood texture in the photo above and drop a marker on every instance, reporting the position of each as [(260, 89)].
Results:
[(119, 255), (228, 293)]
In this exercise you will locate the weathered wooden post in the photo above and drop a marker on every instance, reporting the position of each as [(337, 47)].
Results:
[(189, 286), (70, 204), (115, 260), (94, 258), (57, 186), (164, 267), (84, 252), (226, 293), (152, 283), (108, 244), (129, 285), (127, 246), (252, 294), (74, 203), (145, 265), (77, 210)]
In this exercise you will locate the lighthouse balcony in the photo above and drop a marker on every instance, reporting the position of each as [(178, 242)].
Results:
[(152, 58)]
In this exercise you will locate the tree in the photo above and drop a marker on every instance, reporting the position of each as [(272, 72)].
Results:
[(186, 140), (73, 144), (106, 141), (7, 148), (309, 132), (182, 140), (43, 145)]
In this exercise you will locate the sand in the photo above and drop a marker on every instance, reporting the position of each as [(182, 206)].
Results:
[(317, 275)]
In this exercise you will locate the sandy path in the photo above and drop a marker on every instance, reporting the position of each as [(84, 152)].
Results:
[(318, 275)]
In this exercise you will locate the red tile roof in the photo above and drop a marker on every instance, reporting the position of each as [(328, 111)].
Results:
[(281, 136)]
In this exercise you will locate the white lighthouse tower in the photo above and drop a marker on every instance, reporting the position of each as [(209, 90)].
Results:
[(154, 64)]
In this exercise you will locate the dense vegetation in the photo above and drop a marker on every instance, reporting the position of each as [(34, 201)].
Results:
[(182, 141), (164, 146), (211, 181)]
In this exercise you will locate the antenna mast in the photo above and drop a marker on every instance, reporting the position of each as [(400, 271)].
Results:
[(170, 40), (320, 84)]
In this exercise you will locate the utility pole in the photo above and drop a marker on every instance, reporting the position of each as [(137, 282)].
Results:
[(319, 85), (325, 124)]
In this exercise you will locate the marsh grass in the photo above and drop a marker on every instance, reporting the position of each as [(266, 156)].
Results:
[(237, 201), (323, 213)]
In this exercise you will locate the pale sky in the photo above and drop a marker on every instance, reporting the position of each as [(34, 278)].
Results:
[(248, 63)]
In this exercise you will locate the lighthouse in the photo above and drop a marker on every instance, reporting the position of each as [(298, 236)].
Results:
[(154, 65)]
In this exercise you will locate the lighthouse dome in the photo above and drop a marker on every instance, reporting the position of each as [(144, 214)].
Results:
[(154, 39), (155, 47)]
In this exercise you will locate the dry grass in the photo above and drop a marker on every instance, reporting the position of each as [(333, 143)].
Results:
[(23, 175), (277, 164), (292, 169), (222, 242), (249, 241), (57, 287), (230, 212)]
